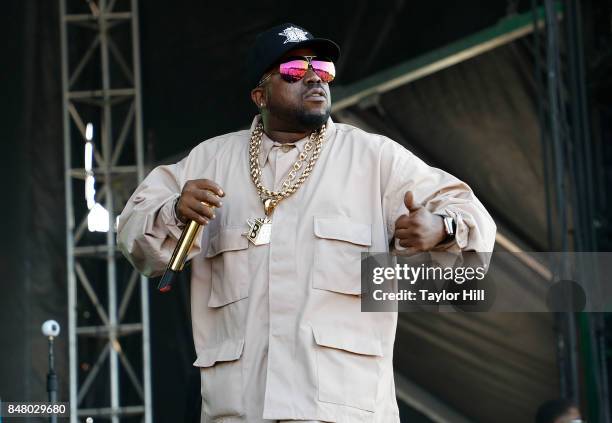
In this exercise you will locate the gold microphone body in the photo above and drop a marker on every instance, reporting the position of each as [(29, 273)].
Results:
[(179, 255)]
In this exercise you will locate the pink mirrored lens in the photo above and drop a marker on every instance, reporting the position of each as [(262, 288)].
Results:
[(294, 70), (325, 70)]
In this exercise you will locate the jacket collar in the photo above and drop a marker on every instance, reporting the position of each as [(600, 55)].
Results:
[(267, 144)]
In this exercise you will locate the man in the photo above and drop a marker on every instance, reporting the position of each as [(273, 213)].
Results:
[(558, 411), (287, 207)]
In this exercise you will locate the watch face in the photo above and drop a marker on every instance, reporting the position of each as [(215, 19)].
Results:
[(449, 225)]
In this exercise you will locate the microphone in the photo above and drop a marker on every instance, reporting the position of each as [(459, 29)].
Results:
[(179, 255), (51, 329)]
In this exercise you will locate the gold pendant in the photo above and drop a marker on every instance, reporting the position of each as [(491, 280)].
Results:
[(269, 205), (260, 230)]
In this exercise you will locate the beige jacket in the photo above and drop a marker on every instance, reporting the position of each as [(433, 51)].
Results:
[(277, 328)]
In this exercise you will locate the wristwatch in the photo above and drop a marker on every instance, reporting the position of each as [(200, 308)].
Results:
[(450, 227)]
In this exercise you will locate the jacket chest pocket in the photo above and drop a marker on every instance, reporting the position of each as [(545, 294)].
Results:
[(228, 252), (337, 256)]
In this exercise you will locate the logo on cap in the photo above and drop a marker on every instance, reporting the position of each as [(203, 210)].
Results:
[(294, 35)]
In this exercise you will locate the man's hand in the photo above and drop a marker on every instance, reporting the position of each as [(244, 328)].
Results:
[(419, 230), (197, 201)]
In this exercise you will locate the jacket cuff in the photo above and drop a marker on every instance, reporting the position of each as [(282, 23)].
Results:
[(167, 215)]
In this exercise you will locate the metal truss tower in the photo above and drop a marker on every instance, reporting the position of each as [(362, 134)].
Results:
[(108, 316)]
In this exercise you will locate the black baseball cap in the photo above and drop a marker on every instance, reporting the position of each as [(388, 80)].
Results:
[(273, 43)]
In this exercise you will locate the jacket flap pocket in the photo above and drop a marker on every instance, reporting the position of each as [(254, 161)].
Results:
[(227, 239), (357, 343), (228, 350), (343, 229)]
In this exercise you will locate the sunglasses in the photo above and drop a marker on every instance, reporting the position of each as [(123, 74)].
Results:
[(293, 69)]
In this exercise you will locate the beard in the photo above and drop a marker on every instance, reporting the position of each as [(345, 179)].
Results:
[(299, 118), (311, 120)]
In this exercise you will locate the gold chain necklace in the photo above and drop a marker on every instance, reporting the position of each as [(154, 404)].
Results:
[(272, 198), (260, 229)]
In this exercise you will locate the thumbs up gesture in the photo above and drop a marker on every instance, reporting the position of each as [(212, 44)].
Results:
[(419, 229)]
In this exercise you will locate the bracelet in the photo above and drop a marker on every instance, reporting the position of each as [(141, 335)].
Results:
[(174, 207)]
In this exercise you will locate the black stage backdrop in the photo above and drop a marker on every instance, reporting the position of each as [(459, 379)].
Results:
[(13, 179), (33, 247)]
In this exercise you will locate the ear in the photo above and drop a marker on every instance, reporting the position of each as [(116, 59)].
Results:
[(258, 95)]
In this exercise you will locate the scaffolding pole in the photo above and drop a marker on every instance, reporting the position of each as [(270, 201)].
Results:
[(109, 378)]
